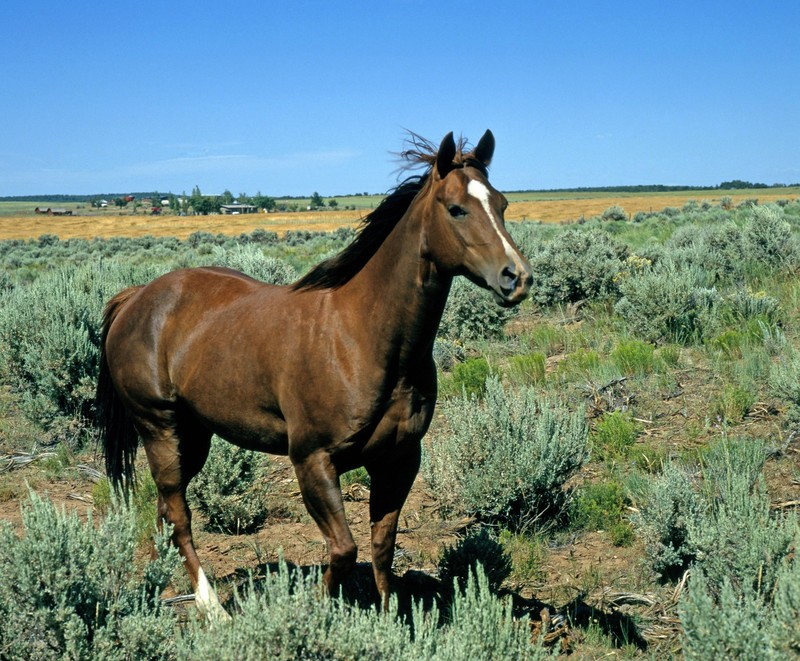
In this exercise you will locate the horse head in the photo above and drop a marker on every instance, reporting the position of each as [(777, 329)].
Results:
[(466, 233)]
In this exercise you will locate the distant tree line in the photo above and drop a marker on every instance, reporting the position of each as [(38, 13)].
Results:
[(656, 188), (212, 203)]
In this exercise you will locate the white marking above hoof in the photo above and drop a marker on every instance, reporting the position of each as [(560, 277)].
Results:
[(207, 601)]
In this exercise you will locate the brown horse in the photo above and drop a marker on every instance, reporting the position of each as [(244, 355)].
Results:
[(336, 371)]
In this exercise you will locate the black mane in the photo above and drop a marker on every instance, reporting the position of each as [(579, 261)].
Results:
[(375, 227)]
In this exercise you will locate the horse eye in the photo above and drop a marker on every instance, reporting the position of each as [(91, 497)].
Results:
[(456, 211)]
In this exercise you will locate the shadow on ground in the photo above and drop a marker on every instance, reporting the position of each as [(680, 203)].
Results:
[(558, 624)]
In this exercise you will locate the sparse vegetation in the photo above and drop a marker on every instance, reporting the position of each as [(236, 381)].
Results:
[(666, 344)]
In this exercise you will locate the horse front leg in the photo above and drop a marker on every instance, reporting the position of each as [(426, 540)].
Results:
[(319, 486), (391, 482)]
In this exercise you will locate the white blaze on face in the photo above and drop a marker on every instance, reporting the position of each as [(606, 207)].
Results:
[(480, 192)]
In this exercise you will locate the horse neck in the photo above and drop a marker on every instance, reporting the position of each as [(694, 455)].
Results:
[(405, 290)]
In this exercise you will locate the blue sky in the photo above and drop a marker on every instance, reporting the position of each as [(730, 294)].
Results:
[(294, 97)]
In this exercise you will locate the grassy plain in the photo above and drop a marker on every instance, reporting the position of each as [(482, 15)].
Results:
[(18, 221)]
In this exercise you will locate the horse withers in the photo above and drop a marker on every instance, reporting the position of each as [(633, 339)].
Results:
[(336, 370)]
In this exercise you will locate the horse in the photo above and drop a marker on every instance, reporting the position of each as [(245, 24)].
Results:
[(335, 370)]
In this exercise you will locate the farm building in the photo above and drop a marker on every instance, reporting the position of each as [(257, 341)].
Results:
[(237, 208), (54, 211)]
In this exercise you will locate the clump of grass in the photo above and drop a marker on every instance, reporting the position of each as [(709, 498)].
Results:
[(601, 506), (634, 357), (649, 457), (546, 339), (356, 476), (528, 369), (733, 403), (142, 502), (668, 355), (580, 364), (729, 343), (614, 435), (527, 553)]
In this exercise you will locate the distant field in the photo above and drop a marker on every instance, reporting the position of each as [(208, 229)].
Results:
[(17, 220)]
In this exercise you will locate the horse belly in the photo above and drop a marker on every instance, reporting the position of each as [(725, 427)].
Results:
[(247, 417)]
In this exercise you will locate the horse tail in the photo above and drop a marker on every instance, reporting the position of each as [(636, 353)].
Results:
[(118, 435)]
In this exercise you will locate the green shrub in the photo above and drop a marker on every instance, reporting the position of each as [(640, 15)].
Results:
[(471, 313), (736, 536), (72, 589), (232, 488), (250, 259), (786, 605), (783, 382), (724, 526), (577, 265), (668, 302), (477, 547), (768, 239), (614, 212), (598, 506), (50, 337), (730, 626), (716, 248), (470, 376), (745, 304), (667, 506), (285, 619), (614, 436), (481, 627), (743, 621), (505, 459)]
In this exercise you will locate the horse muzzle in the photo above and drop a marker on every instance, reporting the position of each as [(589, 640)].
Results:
[(513, 284)]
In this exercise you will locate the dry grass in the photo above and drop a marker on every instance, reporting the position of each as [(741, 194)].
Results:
[(558, 210), (548, 209), (87, 227)]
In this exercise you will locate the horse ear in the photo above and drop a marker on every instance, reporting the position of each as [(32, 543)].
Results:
[(485, 149), (445, 155)]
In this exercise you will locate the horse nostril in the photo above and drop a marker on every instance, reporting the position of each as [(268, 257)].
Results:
[(508, 279)]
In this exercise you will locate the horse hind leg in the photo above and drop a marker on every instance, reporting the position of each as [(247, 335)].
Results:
[(175, 458)]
